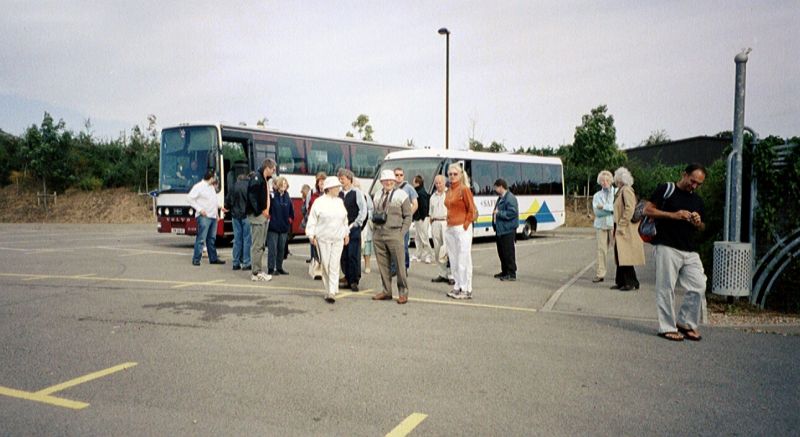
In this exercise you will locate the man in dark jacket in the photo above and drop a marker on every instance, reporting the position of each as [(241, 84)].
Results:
[(505, 220), (258, 198), (236, 203), (356, 207)]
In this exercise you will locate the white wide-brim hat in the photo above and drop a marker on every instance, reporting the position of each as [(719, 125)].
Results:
[(387, 175), (330, 182)]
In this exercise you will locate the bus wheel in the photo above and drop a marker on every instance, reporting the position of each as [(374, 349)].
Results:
[(529, 229)]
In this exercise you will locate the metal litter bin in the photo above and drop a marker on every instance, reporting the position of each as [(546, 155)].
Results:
[(733, 263)]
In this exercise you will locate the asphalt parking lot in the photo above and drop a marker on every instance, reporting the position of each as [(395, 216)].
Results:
[(109, 330)]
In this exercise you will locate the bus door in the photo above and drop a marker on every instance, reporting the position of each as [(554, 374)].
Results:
[(234, 160), (236, 152)]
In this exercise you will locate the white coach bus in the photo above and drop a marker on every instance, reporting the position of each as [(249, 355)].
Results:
[(537, 182), (189, 150)]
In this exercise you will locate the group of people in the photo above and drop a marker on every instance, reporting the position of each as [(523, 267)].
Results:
[(343, 223), (446, 217), (678, 213), (261, 215)]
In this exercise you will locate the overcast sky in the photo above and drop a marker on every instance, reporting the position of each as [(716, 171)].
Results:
[(522, 73)]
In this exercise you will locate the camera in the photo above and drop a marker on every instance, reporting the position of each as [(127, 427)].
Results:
[(379, 217)]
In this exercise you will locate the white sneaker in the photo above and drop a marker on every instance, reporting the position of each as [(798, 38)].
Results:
[(261, 277), (414, 258), (464, 295), (367, 270), (454, 294), (428, 260)]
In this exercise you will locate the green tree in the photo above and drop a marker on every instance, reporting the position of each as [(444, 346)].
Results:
[(656, 137), (543, 151), (476, 145), (9, 156), (46, 150), (362, 126), (594, 148), (496, 147)]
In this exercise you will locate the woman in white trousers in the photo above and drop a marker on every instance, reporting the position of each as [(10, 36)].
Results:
[(327, 230), (458, 236)]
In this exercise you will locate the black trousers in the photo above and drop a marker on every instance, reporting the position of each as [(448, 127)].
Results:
[(351, 257), (507, 253), (626, 275)]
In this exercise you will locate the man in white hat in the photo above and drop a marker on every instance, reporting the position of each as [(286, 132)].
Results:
[(391, 220), (327, 229)]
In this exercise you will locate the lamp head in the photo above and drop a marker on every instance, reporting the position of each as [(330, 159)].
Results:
[(444, 31)]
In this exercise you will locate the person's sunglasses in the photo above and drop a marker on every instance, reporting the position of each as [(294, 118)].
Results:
[(452, 174)]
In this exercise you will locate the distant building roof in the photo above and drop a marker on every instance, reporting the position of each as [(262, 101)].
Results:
[(702, 149)]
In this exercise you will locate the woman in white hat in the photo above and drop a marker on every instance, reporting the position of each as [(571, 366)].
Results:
[(327, 230)]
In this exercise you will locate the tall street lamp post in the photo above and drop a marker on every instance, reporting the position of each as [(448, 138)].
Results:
[(446, 33)]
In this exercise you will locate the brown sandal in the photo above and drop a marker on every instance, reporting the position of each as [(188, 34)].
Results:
[(671, 336), (689, 334)]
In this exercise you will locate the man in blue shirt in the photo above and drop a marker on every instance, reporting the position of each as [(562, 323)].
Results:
[(505, 220)]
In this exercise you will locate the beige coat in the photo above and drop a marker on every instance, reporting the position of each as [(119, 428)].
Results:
[(630, 249)]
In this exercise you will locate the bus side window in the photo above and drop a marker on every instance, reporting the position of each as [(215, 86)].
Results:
[(510, 171), (291, 156), (364, 160), (552, 177), (327, 156), (532, 177), (484, 173)]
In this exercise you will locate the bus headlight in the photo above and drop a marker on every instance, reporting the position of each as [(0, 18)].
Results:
[(166, 211), (191, 212)]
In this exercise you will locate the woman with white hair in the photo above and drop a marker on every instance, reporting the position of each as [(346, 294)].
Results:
[(603, 207), (458, 235), (328, 231), (628, 247)]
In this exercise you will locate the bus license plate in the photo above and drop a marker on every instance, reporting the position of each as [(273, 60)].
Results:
[(179, 231)]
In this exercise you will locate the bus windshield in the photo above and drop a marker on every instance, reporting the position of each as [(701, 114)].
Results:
[(425, 167), (185, 157)]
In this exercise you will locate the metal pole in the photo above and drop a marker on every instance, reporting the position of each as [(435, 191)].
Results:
[(735, 188), (446, 33), (447, 98)]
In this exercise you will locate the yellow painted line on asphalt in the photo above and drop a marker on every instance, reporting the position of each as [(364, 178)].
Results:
[(137, 252), (406, 426), (86, 378), (457, 303), (190, 284), (30, 276), (44, 395), (219, 283), (345, 294), (88, 275), (51, 400)]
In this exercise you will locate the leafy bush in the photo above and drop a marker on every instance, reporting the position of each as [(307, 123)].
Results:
[(62, 159), (90, 183)]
